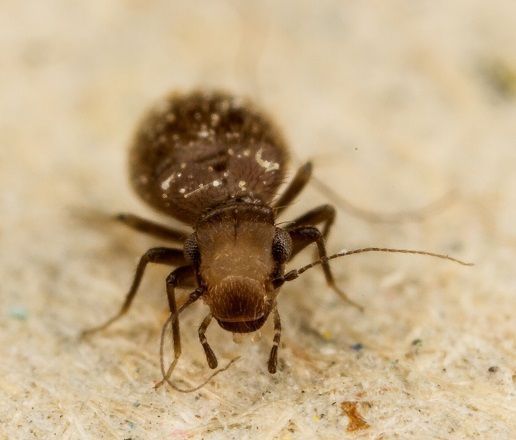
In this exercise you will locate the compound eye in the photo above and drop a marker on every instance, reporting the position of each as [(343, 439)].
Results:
[(191, 250), (281, 246)]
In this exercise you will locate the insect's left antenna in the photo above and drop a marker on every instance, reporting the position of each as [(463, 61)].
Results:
[(167, 372), (293, 274)]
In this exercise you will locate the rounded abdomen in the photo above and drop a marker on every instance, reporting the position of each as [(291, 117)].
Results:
[(196, 151)]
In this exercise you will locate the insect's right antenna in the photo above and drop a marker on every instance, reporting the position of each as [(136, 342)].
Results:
[(416, 215)]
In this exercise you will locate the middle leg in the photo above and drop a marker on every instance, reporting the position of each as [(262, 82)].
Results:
[(159, 255), (303, 233), (321, 214), (304, 236)]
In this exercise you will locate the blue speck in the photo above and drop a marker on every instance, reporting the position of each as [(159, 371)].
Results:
[(18, 312)]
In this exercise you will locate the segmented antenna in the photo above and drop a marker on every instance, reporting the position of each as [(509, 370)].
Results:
[(167, 373), (293, 274), (415, 215)]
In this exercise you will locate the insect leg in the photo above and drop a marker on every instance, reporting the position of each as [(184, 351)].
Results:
[(273, 358), (210, 356), (294, 188), (305, 235), (151, 228), (173, 280), (159, 255), (321, 214)]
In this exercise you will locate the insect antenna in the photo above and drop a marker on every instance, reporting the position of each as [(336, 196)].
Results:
[(415, 215), (167, 373), (293, 274)]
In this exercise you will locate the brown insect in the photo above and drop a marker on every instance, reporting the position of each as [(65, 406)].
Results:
[(214, 162)]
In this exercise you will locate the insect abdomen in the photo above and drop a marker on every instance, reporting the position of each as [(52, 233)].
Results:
[(193, 152)]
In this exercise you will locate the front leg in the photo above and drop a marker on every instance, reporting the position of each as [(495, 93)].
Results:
[(176, 278), (305, 235), (210, 356), (273, 357)]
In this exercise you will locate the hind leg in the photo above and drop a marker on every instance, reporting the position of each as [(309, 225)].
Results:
[(297, 185), (151, 228)]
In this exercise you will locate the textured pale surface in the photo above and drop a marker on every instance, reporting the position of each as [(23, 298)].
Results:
[(398, 102)]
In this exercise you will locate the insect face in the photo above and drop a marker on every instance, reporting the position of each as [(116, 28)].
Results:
[(239, 256), (239, 304)]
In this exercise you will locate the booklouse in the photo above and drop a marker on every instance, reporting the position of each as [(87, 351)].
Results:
[(215, 162)]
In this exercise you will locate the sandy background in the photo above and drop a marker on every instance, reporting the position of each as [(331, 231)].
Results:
[(398, 103)]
